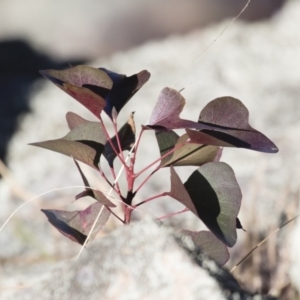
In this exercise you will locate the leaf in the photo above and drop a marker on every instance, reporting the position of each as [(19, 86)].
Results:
[(127, 139), (222, 122), (239, 224), (97, 88), (165, 114), (74, 120), (225, 122), (187, 155), (84, 142), (96, 194), (212, 194), (209, 245), (77, 224), (122, 90), (74, 80)]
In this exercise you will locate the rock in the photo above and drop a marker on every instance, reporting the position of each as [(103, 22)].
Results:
[(257, 63), (140, 261), (19, 66), (89, 29)]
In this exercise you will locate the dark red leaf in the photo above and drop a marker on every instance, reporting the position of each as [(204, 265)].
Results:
[(212, 194), (165, 114), (225, 122), (96, 194), (123, 89), (222, 122), (85, 143), (239, 224), (73, 81), (97, 89), (74, 120), (76, 225), (209, 245)]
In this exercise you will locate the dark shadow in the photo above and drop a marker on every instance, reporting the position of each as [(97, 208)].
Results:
[(19, 69), (206, 203)]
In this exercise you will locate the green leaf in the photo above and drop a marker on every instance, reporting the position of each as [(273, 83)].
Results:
[(212, 194)]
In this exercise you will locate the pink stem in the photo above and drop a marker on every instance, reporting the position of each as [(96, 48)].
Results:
[(173, 214), (151, 198), (110, 142), (118, 139), (159, 159), (146, 179), (136, 147), (116, 184)]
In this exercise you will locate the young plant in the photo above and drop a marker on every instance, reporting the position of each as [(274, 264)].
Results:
[(211, 192)]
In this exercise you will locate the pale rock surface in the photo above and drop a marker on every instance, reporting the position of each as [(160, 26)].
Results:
[(140, 261), (256, 63)]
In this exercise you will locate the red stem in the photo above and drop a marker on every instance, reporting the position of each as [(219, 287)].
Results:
[(152, 198), (127, 214), (136, 147), (173, 214), (110, 142), (146, 179), (118, 139), (116, 184), (159, 159)]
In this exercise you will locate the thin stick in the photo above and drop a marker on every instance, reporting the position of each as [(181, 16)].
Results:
[(245, 257), (17, 189), (100, 212), (40, 195), (205, 49)]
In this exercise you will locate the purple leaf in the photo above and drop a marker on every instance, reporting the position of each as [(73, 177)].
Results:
[(97, 89), (239, 224), (73, 81), (222, 122), (165, 114), (76, 225), (225, 122), (212, 194), (96, 194), (74, 120), (84, 142), (187, 155), (209, 245), (123, 89), (127, 139)]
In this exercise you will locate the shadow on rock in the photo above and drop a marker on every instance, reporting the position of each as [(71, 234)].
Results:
[(19, 65)]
